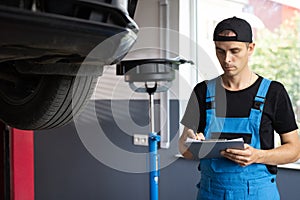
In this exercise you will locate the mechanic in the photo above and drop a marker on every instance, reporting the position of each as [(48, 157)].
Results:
[(240, 103)]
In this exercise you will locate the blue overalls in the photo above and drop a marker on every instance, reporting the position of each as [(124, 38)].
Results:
[(222, 179)]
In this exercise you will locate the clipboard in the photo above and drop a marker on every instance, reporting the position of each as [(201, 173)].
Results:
[(211, 148)]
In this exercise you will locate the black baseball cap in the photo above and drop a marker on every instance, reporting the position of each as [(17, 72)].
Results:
[(240, 27)]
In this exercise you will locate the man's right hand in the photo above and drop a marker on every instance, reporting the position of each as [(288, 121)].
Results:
[(183, 148)]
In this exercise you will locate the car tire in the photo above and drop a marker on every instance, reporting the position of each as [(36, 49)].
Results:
[(53, 101)]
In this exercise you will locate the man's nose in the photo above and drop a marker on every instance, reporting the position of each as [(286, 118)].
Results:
[(228, 57)]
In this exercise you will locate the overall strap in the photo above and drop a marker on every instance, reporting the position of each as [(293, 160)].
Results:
[(210, 94), (261, 94), (210, 105)]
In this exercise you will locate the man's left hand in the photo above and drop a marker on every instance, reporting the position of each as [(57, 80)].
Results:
[(244, 157)]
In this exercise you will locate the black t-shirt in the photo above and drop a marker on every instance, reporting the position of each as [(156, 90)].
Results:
[(278, 114)]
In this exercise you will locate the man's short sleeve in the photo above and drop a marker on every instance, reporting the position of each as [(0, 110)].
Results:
[(191, 116), (285, 120), (195, 113)]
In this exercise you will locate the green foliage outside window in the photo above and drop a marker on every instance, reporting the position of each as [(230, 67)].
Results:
[(277, 56)]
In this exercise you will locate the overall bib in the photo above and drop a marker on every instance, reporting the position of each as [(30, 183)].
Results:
[(223, 179)]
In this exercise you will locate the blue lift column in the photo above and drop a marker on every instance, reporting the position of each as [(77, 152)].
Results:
[(154, 166)]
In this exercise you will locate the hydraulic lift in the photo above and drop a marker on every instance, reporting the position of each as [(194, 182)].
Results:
[(157, 76)]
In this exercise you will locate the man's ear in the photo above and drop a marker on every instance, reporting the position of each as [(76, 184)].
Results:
[(251, 48)]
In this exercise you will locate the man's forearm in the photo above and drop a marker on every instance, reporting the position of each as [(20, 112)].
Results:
[(286, 153), (183, 149)]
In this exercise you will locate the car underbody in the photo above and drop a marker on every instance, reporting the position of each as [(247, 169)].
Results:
[(48, 62)]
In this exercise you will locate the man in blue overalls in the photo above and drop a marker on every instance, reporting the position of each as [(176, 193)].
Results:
[(237, 104)]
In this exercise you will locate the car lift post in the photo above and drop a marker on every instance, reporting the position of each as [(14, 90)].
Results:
[(154, 71), (17, 163)]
